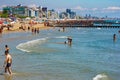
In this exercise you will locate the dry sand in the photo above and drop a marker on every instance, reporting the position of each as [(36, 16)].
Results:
[(16, 26)]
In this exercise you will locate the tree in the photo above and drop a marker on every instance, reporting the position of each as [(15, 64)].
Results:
[(5, 12)]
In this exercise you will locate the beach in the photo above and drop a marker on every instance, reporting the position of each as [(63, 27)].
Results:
[(74, 40), (17, 25), (44, 56)]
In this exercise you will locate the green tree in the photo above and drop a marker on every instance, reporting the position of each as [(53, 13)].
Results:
[(5, 12)]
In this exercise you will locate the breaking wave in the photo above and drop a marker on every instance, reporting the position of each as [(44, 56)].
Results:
[(101, 77), (62, 37), (27, 46)]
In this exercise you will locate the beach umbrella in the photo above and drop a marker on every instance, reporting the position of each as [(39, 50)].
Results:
[(1, 22), (28, 18)]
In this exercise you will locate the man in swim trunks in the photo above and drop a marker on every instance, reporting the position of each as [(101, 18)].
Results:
[(7, 62)]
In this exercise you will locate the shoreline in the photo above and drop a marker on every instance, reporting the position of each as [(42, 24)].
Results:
[(17, 25)]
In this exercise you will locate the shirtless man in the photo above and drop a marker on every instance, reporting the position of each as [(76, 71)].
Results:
[(7, 62), (6, 48)]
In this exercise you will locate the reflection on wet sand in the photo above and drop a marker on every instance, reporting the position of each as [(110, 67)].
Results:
[(8, 77)]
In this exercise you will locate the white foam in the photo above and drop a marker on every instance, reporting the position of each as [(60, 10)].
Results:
[(99, 28), (23, 50), (62, 37), (24, 46), (78, 28), (101, 77)]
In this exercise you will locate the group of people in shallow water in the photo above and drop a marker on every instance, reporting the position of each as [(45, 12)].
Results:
[(33, 30), (8, 61), (69, 39)]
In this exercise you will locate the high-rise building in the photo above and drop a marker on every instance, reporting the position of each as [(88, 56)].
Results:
[(73, 15), (70, 14), (32, 12), (68, 11), (44, 10)]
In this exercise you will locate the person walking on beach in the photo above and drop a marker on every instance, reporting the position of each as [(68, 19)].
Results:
[(7, 62)]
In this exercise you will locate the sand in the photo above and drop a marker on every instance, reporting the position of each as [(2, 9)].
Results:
[(17, 25)]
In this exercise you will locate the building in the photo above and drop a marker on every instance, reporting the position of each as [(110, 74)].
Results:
[(26, 11), (44, 11), (68, 11), (68, 14), (71, 14), (17, 10), (33, 12), (52, 14), (63, 15), (39, 12)]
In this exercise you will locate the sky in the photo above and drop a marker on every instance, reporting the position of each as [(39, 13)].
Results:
[(100, 8)]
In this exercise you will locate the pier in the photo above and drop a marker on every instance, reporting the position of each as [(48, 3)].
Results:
[(87, 23)]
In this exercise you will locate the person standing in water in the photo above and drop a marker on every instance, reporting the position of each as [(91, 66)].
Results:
[(8, 62), (114, 37), (6, 48), (69, 40)]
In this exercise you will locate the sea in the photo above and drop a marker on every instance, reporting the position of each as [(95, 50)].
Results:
[(93, 54)]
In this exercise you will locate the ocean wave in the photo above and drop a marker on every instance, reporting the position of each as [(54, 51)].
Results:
[(99, 28), (62, 37), (23, 50), (101, 77), (26, 47)]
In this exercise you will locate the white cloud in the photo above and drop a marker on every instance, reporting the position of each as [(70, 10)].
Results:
[(2, 7), (60, 9), (112, 8), (94, 9), (32, 5), (79, 8)]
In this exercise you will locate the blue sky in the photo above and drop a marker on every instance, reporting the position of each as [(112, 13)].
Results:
[(110, 8)]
